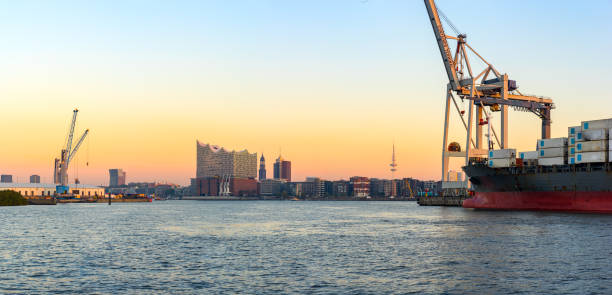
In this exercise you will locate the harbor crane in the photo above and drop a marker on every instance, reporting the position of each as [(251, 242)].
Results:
[(482, 88), (60, 172)]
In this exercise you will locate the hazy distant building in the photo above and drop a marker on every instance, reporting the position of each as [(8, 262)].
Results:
[(215, 161), (262, 168), (6, 178), (34, 178), (117, 177), (282, 169)]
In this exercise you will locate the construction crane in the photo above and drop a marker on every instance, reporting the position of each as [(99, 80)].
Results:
[(60, 172), (482, 88)]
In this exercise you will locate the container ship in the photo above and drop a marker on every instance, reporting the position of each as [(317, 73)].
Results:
[(571, 173)]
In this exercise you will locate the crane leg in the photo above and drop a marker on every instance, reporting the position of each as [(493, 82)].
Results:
[(546, 124), (445, 136), (479, 111)]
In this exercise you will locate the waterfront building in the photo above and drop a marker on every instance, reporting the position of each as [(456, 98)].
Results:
[(220, 172), (6, 178), (273, 187), (34, 178), (389, 188), (282, 169), (214, 186), (377, 187), (360, 186), (341, 188), (48, 189), (215, 161), (318, 187), (117, 177), (262, 168)]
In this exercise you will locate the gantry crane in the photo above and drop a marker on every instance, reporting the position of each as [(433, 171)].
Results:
[(497, 93), (60, 172)]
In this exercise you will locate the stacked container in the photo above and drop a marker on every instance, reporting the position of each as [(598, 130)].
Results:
[(592, 142), (552, 151), (529, 158), (502, 158), (572, 132)]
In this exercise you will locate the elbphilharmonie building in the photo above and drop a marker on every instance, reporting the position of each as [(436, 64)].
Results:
[(215, 161)]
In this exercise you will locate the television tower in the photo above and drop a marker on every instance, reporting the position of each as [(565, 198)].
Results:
[(393, 163)]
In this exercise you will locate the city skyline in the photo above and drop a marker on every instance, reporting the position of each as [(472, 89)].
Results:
[(333, 86)]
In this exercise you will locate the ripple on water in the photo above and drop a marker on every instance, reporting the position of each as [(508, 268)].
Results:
[(300, 247)]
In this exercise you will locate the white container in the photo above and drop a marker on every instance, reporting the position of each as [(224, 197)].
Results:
[(571, 141), (595, 134), (571, 131), (501, 163), (591, 157), (528, 155), (596, 124), (592, 146), (571, 151), (552, 152), (552, 161), (552, 142), (502, 154)]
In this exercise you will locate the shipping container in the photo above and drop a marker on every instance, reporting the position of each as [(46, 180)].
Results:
[(595, 134), (552, 152), (573, 130), (532, 155), (500, 163), (552, 142), (552, 161), (571, 151), (597, 124), (592, 146), (571, 141), (591, 157), (502, 154)]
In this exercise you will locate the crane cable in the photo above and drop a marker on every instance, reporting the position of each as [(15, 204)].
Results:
[(447, 20)]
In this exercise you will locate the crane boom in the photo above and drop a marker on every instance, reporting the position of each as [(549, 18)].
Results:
[(76, 147), (71, 131), (441, 37)]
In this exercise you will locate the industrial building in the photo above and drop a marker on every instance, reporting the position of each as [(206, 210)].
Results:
[(6, 178), (49, 189)]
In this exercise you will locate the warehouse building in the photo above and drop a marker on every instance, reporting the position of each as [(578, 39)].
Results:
[(48, 189)]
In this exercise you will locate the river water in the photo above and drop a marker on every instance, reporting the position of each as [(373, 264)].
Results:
[(279, 247)]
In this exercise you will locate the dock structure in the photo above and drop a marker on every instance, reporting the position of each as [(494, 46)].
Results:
[(450, 201)]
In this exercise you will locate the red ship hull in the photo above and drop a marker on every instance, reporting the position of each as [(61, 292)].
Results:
[(592, 202)]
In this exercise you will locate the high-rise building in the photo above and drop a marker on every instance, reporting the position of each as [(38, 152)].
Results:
[(117, 177), (262, 168), (282, 169), (213, 161), (34, 179), (6, 178)]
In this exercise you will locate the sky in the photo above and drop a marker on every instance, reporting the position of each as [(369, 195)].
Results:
[(331, 84)]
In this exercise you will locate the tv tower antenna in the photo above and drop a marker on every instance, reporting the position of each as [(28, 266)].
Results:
[(393, 163)]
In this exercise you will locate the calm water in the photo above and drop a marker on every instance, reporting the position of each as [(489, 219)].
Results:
[(269, 247)]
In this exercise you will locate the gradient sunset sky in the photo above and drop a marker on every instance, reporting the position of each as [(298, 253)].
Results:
[(331, 83)]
